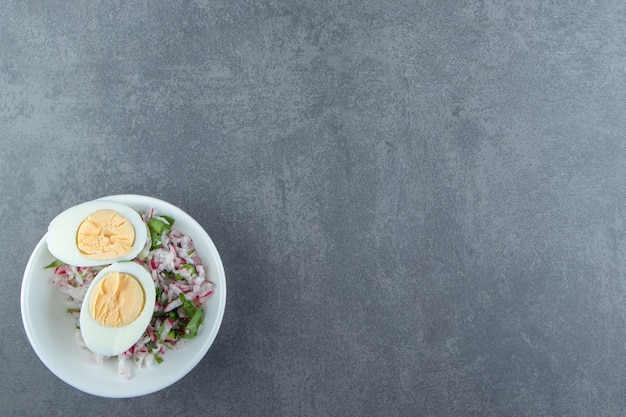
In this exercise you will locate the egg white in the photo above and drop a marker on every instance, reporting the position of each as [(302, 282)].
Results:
[(112, 341), (61, 236)]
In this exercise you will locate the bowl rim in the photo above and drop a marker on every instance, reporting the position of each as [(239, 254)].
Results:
[(219, 278)]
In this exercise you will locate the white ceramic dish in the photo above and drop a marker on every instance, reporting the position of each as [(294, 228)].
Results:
[(50, 329)]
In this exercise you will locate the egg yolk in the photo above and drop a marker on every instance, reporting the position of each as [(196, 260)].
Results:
[(117, 300), (105, 234)]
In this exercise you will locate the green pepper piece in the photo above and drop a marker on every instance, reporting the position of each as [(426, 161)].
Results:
[(190, 268), (156, 240), (157, 229), (156, 225)]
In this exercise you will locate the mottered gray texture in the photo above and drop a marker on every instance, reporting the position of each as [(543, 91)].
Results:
[(419, 205)]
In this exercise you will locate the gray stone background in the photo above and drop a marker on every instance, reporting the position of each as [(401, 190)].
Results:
[(419, 204)]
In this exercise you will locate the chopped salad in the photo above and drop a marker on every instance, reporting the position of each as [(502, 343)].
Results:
[(181, 285)]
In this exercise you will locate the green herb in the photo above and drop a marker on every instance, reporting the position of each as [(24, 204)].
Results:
[(151, 344), (161, 329), (188, 306), (191, 329), (73, 310), (158, 358), (159, 294), (55, 264)]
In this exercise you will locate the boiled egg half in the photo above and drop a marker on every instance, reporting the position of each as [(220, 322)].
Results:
[(96, 233), (117, 308)]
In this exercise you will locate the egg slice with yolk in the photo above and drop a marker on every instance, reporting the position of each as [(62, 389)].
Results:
[(117, 300), (117, 308), (105, 234), (97, 233)]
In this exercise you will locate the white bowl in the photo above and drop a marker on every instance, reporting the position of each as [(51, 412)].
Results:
[(50, 329)]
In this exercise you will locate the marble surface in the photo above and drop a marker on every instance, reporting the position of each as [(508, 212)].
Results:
[(419, 204)]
